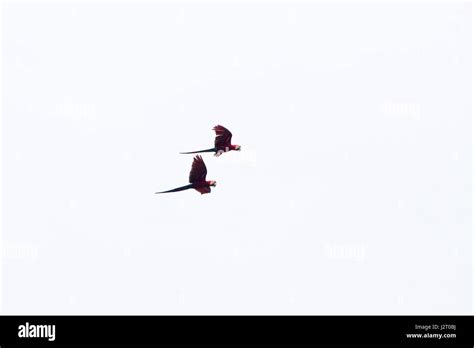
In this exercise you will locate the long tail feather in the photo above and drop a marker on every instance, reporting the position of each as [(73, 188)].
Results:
[(182, 188), (208, 150)]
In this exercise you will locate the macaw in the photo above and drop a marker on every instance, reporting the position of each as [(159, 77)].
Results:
[(221, 143), (197, 178)]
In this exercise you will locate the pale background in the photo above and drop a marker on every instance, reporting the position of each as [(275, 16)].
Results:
[(352, 193)]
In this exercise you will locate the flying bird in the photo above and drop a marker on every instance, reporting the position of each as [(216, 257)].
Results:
[(197, 178), (221, 143)]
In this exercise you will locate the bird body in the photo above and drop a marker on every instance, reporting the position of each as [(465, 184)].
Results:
[(197, 178), (222, 142)]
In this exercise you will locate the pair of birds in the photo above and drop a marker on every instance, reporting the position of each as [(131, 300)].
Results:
[(197, 176)]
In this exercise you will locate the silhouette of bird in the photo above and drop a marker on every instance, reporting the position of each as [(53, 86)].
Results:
[(222, 143), (197, 178)]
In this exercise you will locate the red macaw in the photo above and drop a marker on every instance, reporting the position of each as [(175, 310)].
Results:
[(221, 143), (197, 178)]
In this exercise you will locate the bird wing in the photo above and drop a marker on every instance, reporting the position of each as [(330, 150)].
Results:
[(204, 189), (198, 170), (223, 136)]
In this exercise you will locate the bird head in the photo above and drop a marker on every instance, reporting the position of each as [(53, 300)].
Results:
[(212, 183), (237, 147)]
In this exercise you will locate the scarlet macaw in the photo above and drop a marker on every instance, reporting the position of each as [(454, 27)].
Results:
[(221, 143), (197, 178)]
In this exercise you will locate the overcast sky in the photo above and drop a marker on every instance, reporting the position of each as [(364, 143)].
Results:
[(351, 195)]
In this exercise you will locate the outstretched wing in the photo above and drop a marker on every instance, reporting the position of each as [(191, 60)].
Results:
[(223, 137), (198, 170)]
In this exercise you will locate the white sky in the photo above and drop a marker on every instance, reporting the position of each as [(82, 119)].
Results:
[(351, 195)]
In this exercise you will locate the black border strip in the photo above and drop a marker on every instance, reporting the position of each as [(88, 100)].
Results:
[(224, 330)]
